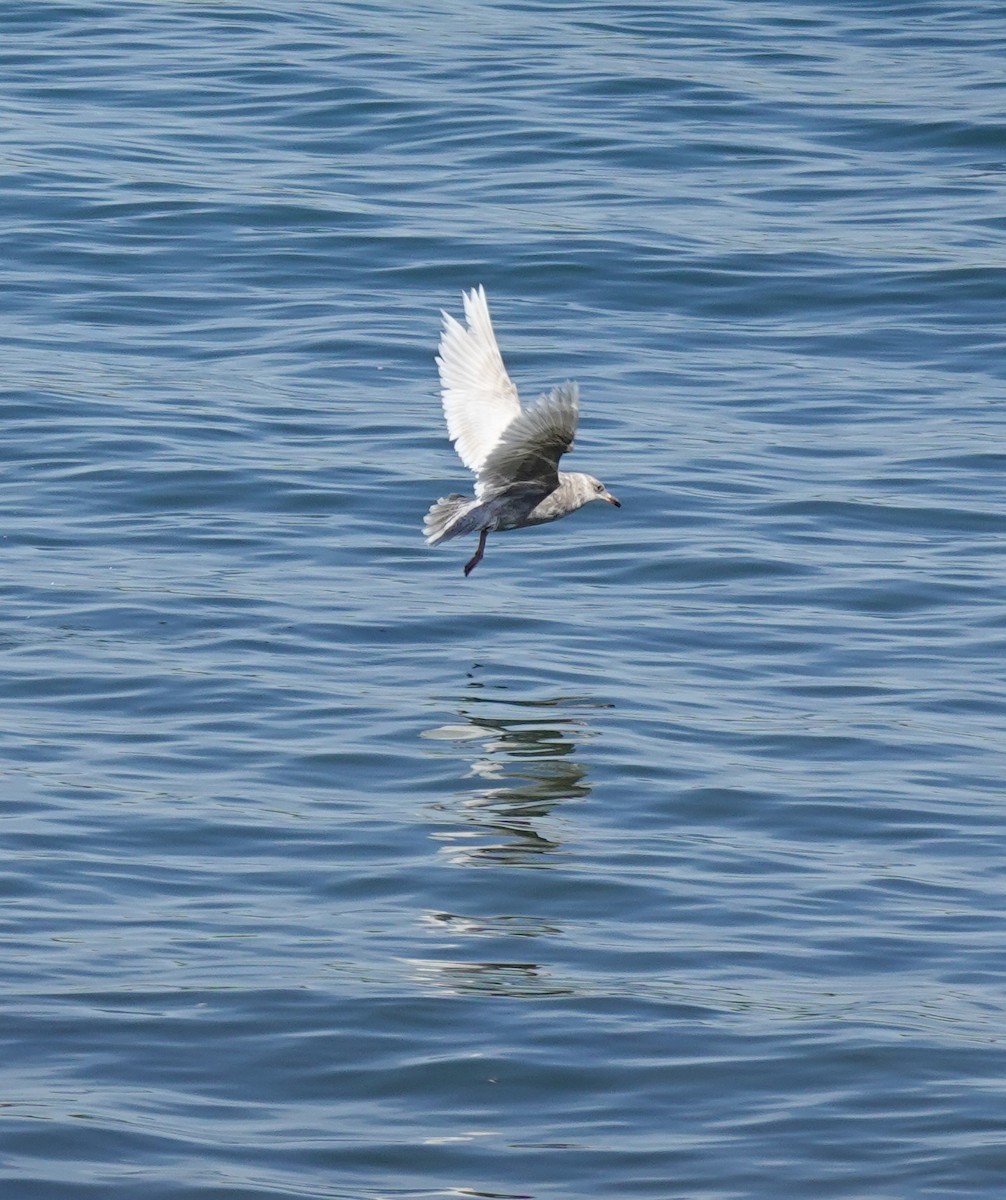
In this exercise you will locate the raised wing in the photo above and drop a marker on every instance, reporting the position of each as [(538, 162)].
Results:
[(479, 397), (533, 442)]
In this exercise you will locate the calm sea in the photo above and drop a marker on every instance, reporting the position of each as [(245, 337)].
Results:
[(663, 858)]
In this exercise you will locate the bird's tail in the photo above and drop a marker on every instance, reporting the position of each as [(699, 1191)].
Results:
[(442, 521)]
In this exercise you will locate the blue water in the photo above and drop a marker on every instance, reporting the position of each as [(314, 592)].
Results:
[(662, 857)]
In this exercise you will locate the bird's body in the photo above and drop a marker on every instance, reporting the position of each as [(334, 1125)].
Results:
[(513, 451)]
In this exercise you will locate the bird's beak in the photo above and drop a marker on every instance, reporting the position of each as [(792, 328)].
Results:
[(612, 499)]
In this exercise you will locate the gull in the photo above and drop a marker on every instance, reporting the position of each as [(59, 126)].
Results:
[(513, 452)]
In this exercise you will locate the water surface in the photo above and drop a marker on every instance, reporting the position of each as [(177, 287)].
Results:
[(660, 858)]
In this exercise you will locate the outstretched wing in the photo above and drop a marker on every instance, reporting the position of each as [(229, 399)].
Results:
[(533, 442), (479, 397)]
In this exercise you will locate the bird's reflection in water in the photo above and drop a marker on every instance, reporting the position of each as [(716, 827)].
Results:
[(503, 974), (521, 765), (520, 770), (459, 977)]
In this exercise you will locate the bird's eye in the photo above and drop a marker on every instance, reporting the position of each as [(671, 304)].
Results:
[(598, 487)]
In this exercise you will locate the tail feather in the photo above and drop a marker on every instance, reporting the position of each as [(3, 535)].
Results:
[(440, 523)]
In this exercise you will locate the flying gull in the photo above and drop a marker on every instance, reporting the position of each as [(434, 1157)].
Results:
[(514, 452)]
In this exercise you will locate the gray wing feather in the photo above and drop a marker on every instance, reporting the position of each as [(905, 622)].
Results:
[(530, 447)]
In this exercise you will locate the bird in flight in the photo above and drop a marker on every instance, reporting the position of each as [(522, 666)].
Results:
[(513, 452)]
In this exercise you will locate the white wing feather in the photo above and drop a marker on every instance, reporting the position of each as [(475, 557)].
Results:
[(532, 444), (479, 397)]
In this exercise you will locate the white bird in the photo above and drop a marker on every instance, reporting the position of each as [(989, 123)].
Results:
[(514, 452)]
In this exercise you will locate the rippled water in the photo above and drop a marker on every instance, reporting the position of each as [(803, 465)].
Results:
[(663, 856)]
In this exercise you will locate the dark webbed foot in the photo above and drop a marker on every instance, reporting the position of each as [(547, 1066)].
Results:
[(476, 558)]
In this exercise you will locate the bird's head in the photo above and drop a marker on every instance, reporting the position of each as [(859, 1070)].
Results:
[(599, 492)]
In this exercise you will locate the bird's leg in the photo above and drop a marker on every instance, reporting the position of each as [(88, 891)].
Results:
[(477, 557)]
